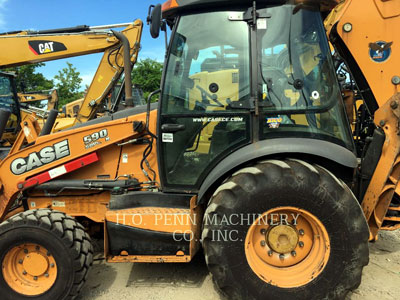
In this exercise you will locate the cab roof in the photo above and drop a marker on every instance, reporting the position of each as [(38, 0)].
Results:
[(171, 8)]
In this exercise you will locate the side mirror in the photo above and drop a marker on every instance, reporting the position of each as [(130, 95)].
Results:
[(154, 20)]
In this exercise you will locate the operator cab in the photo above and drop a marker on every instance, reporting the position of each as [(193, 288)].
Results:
[(238, 72)]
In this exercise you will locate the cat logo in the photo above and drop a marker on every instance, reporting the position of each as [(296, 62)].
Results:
[(45, 47)]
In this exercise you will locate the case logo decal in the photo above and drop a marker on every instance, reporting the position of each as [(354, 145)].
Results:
[(380, 51), (35, 160), (45, 47)]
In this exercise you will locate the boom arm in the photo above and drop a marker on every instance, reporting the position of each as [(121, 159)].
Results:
[(20, 48), (26, 47)]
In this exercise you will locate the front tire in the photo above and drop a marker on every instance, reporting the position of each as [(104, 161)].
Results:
[(318, 255), (44, 254)]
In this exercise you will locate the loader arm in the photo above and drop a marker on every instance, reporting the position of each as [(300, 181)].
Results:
[(51, 155), (369, 48)]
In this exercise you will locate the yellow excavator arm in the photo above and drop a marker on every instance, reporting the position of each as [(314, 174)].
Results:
[(26, 47)]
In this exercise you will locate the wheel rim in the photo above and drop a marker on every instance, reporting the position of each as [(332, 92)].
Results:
[(29, 269), (287, 247)]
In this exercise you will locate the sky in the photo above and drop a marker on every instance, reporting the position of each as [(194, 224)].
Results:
[(50, 14)]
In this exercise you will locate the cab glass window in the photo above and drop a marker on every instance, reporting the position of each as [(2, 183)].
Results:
[(208, 66), (298, 90)]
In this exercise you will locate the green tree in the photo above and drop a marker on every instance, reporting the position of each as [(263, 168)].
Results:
[(68, 85), (29, 80), (147, 75)]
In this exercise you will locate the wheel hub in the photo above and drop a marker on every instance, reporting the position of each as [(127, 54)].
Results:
[(35, 264), (289, 250), (282, 239), (29, 269)]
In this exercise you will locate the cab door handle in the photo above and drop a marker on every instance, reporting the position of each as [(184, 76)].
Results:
[(172, 127)]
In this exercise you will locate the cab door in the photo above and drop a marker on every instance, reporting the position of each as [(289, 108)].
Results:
[(205, 87)]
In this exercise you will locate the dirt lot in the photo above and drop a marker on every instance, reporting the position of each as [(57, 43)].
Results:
[(381, 278)]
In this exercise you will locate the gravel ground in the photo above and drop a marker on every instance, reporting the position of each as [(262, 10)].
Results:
[(381, 278)]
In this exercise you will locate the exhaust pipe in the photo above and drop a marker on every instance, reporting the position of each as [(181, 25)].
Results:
[(51, 119), (127, 68)]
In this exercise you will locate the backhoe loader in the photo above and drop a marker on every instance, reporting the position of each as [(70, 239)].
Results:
[(249, 154), (26, 47)]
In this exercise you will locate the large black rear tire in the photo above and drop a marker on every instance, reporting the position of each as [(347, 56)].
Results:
[(270, 185), (68, 247)]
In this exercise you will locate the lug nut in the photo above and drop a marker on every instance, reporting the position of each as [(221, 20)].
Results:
[(262, 243), (46, 275), (301, 232), (282, 256), (25, 251), (293, 253), (263, 231), (24, 272), (382, 123), (301, 244), (20, 261), (52, 265), (270, 253), (394, 104), (35, 278)]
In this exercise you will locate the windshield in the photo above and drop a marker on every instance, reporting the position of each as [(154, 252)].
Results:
[(208, 67), (298, 90), (295, 65)]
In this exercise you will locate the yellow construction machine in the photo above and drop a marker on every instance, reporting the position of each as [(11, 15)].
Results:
[(43, 99), (26, 47), (249, 154), (39, 102)]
